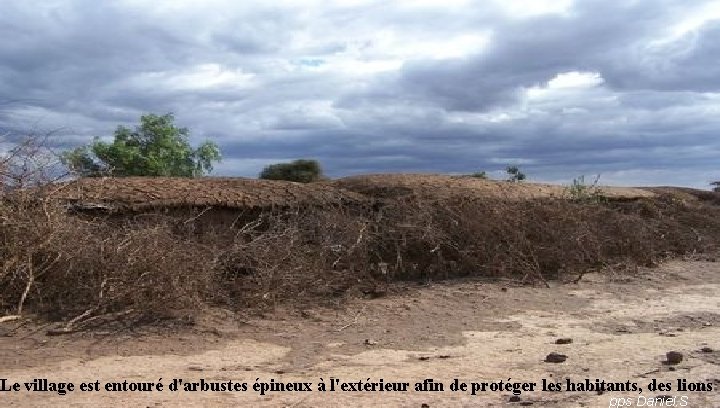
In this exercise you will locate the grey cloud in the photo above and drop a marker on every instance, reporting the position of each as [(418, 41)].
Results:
[(690, 63), (86, 67), (596, 36)]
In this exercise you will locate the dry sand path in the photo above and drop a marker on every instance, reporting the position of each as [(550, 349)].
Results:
[(620, 328)]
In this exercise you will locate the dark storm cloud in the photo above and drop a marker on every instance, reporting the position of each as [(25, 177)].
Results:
[(690, 63), (598, 36), (379, 86)]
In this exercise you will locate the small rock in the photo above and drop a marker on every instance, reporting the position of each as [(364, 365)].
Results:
[(514, 398), (622, 330), (526, 403), (424, 405), (672, 369), (423, 358), (706, 350), (674, 357), (370, 342), (196, 368), (503, 289), (565, 340), (555, 358)]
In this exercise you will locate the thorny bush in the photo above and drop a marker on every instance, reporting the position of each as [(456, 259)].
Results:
[(83, 269)]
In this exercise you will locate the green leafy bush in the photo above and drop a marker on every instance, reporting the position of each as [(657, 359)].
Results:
[(579, 190), (154, 148), (302, 171), (515, 174)]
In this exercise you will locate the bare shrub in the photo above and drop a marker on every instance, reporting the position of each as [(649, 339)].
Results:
[(28, 162), (88, 270), (295, 254), (64, 266), (325, 253), (68, 266), (533, 239)]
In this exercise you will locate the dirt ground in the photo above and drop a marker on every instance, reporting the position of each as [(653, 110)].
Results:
[(621, 328)]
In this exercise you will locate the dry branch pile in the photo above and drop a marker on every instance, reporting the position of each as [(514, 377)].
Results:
[(314, 243)]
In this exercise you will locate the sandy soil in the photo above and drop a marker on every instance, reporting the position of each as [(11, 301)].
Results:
[(621, 328)]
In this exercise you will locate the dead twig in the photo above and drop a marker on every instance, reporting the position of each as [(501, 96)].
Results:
[(9, 318), (81, 324), (355, 320)]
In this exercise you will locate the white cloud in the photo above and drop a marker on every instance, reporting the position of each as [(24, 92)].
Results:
[(199, 77), (575, 79), (530, 8), (406, 47), (696, 19)]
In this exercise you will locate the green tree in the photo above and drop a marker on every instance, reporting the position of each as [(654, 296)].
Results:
[(716, 186), (154, 148), (515, 174), (302, 170)]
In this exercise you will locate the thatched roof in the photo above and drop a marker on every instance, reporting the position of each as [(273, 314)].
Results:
[(139, 193), (443, 186), (114, 195)]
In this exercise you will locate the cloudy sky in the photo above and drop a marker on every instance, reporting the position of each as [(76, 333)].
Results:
[(626, 89)]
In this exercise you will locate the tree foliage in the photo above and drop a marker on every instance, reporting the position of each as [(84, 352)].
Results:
[(515, 174), (302, 170), (154, 148), (716, 186)]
